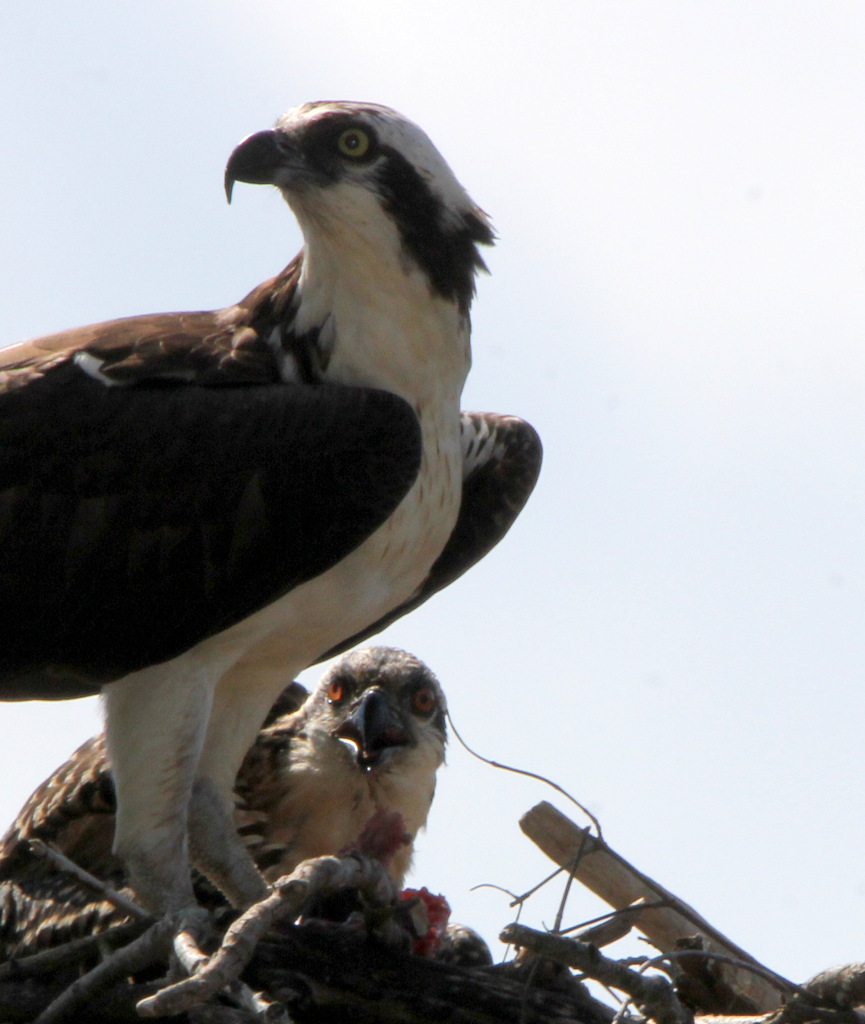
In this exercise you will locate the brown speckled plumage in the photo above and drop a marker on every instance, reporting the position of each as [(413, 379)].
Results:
[(293, 792)]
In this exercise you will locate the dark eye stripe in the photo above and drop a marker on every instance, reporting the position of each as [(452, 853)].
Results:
[(446, 253)]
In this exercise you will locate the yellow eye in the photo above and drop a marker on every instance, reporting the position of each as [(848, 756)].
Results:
[(354, 143)]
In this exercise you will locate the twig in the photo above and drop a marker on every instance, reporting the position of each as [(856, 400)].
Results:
[(785, 987), (266, 1010), (291, 893), (655, 995), (615, 880), (187, 947), (150, 947), (528, 774), (535, 888), (572, 874), (608, 928), (71, 952), (61, 861)]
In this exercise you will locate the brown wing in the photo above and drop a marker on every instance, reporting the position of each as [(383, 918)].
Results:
[(220, 347), (140, 516), (73, 810)]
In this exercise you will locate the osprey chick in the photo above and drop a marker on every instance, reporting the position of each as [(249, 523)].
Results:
[(369, 738), (195, 506)]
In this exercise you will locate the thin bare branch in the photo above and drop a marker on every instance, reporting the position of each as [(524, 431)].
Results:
[(63, 863), (48, 960), (655, 996), (528, 774), (290, 894), (147, 949)]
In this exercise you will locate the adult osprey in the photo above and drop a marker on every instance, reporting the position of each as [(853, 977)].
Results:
[(195, 506), (369, 738)]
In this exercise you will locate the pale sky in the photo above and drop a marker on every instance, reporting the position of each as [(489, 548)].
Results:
[(675, 628)]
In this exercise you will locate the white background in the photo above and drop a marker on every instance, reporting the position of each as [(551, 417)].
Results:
[(674, 628)]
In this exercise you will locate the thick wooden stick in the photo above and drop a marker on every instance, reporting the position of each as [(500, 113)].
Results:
[(620, 884)]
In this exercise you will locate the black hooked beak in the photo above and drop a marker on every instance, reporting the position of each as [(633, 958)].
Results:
[(373, 728), (259, 159)]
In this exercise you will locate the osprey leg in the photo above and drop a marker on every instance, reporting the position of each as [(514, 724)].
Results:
[(155, 724), (216, 849), (241, 701)]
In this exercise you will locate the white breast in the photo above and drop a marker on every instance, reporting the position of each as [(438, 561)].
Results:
[(326, 801), (388, 332)]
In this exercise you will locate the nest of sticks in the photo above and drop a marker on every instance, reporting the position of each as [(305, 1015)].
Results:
[(335, 942)]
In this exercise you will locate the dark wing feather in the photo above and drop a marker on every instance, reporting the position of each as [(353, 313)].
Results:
[(502, 459), (138, 519)]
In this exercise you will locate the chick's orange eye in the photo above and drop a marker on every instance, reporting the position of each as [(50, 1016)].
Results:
[(353, 142), (423, 700), (336, 691)]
